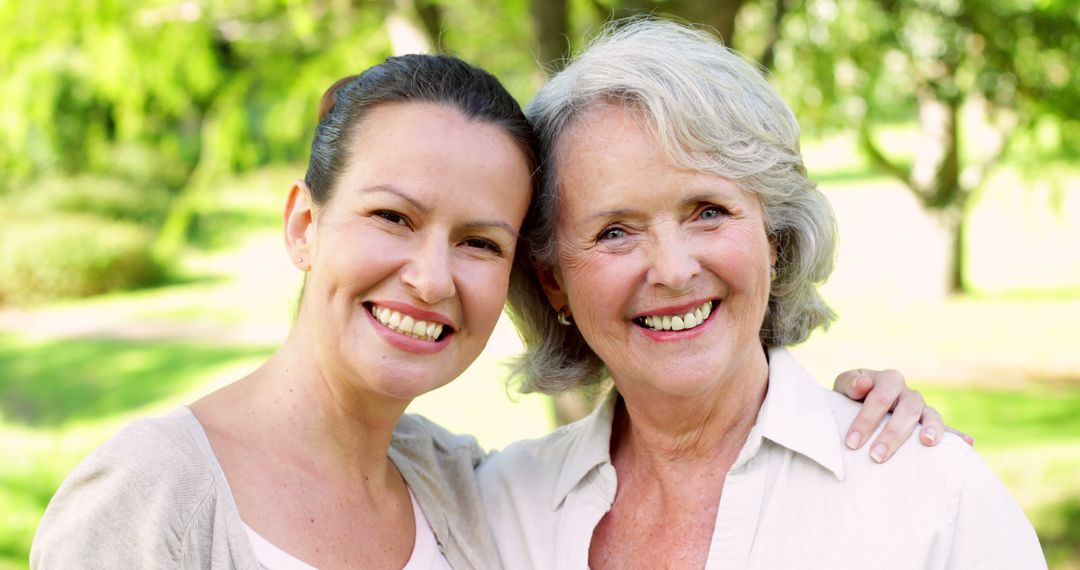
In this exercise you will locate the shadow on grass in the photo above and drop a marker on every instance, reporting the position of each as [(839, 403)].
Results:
[(50, 383), (1058, 526)]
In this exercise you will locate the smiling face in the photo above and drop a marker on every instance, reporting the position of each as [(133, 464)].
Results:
[(410, 257), (665, 270)]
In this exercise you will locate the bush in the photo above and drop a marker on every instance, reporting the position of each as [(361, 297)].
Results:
[(73, 256), (112, 198)]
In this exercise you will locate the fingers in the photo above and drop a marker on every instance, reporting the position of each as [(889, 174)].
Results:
[(887, 386), (854, 384), (901, 424), (932, 426), (970, 440)]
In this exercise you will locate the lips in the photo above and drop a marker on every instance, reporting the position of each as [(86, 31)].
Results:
[(677, 321), (408, 325)]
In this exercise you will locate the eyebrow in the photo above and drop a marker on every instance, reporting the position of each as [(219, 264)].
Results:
[(493, 224), (392, 190), (425, 210), (688, 201)]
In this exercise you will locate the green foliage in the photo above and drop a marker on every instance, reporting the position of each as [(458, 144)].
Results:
[(843, 62), (73, 256), (228, 84), (109, 198)]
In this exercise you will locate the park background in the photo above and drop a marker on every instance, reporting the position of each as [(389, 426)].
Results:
[(146, 148)]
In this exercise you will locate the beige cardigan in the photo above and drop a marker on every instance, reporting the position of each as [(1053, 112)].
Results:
[(155, 496)]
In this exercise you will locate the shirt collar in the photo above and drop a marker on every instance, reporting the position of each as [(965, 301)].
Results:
[(796, 415), (590, 446)]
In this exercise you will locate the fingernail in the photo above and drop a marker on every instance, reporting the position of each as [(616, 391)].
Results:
[(878, 452), (863, 380), (930, 435), (853, 440)]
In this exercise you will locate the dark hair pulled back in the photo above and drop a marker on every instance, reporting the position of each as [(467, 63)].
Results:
[(416, 78)]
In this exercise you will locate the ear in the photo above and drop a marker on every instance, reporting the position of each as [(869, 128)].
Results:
[(300, 226), (551, 281)]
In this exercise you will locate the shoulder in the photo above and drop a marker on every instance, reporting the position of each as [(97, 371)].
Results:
[(417, 432), (438, 467), (984, 524), (130, 496), (946, 459), (532, 467), (529, 453)]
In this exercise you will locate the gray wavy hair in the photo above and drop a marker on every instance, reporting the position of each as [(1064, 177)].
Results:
[(712, 112)]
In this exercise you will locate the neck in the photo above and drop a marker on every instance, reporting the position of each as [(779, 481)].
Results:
[(669, 433), (318, 417)]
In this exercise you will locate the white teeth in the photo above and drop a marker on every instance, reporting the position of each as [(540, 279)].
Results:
[(420, 328), (685, 321), (407, 325)]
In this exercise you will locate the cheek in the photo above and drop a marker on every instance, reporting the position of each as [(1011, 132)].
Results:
[(482, 288)]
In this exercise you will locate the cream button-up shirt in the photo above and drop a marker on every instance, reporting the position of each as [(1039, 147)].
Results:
[(795, 497)]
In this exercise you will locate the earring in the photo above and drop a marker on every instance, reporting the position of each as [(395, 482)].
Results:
[(772, 273), (563, 316)]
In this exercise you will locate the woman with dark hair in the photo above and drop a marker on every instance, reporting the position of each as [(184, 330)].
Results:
[(407, 226)]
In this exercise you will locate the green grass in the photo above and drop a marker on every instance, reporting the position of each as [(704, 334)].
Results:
[(1039, 413), (60, 399), (49, 384)]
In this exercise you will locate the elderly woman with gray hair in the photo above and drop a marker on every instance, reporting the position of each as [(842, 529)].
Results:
[(678, 249)]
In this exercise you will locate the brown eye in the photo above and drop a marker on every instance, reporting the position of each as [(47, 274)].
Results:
[(392, 217), (481, 243)]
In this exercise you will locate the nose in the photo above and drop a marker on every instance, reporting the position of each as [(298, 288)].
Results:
[(429, 273), (673, 264)]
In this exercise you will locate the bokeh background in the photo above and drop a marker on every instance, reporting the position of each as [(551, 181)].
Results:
[(146, 148)]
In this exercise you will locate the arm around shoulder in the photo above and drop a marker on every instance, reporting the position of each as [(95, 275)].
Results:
[(991, 530), (121, 506)]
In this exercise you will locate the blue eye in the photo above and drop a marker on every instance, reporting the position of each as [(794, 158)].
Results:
[(712, 212), (611, 233)]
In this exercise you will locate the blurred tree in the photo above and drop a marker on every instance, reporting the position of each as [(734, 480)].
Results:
[(976, 76), (172, 92)]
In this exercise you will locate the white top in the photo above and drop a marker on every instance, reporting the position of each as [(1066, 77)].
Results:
[(425, 554), (794, 498)]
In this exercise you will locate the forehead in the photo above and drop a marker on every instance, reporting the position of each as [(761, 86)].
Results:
[(434, 151), (609, 152)]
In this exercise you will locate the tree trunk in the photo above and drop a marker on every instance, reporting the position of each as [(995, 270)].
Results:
[(717, 14), (550, 25), (953, 223), (406, 36), (935, 177), (957, 273)]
